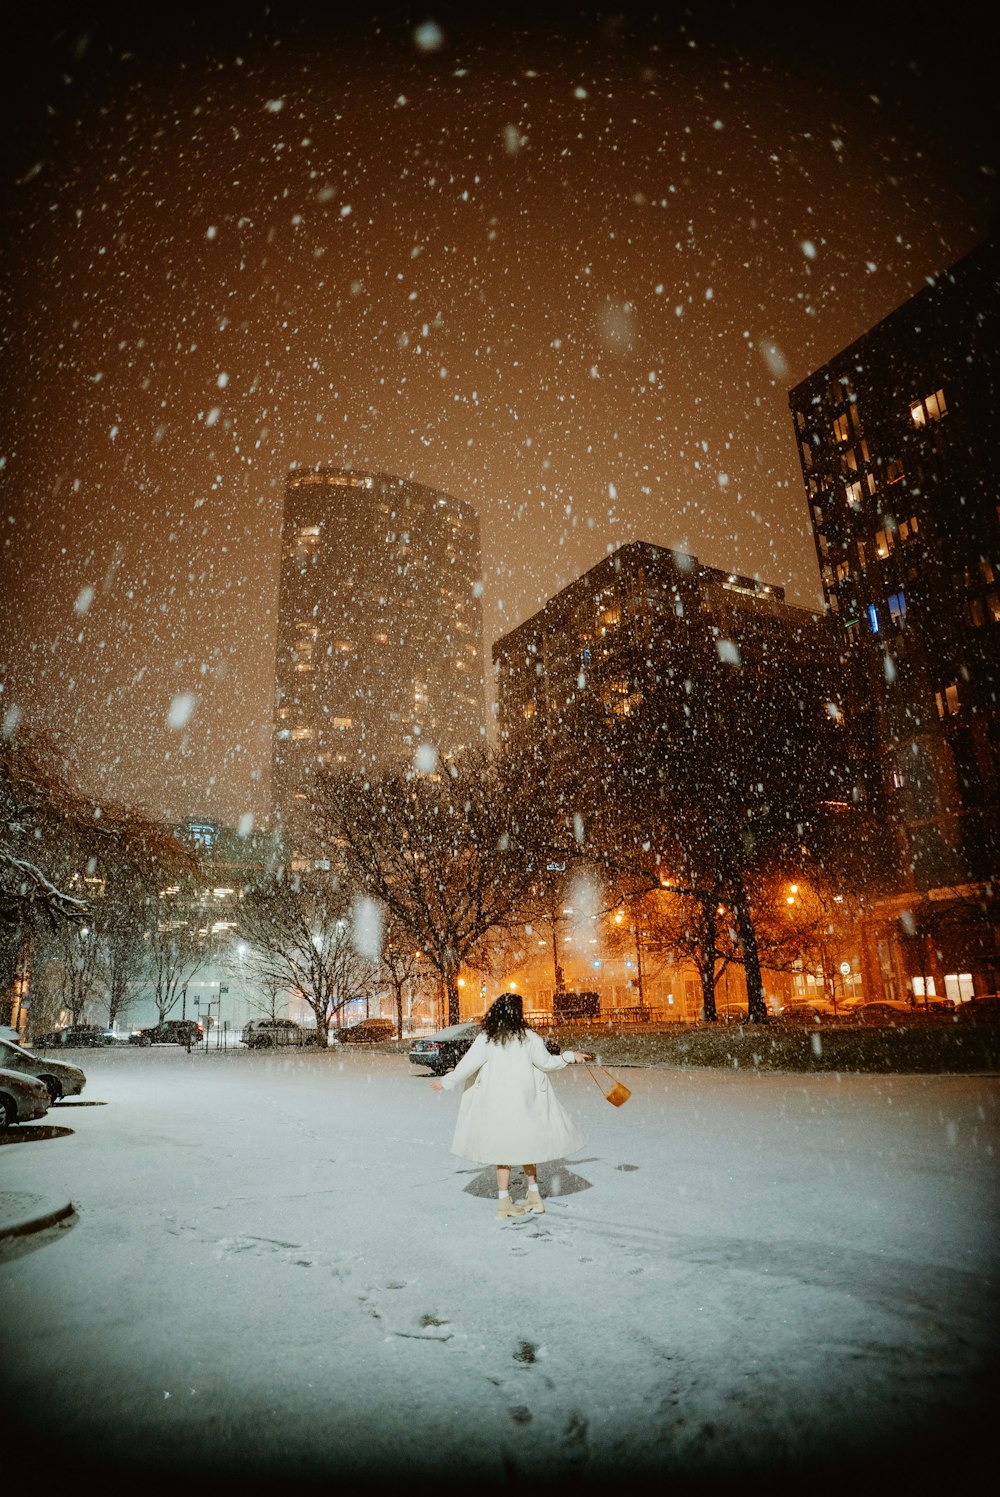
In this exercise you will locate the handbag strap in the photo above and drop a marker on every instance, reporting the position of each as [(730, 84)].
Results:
[(596, 1082)]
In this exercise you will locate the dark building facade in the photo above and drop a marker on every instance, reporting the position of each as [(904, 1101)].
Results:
[(900, 456), (621, 665), (379, 638)]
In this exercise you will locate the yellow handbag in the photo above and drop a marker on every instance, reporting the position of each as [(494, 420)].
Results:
[(618, 1094)]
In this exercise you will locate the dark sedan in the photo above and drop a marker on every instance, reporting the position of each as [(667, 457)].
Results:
[(367, 1032), (444, 1049)]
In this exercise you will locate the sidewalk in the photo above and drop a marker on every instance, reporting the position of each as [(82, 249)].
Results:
[(22, 1213)]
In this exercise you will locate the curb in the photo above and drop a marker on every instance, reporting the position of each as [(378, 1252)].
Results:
[(21, 1214)]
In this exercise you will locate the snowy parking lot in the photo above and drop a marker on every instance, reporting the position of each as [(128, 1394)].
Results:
[(277, 1271)]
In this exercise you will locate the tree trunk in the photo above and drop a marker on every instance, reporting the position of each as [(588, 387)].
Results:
[(756, 1005), (710, 921), (559, 974), (638, 966), (451, 988)]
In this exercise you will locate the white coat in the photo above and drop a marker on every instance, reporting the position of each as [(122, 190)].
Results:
[(509, 1113)]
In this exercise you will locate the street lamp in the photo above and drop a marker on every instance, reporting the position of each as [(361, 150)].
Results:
[(223, 988)]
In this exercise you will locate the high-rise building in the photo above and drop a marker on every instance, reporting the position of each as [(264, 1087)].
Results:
[(379, 637), (650, 656), (901, 461), (631, 635), (690, 719)]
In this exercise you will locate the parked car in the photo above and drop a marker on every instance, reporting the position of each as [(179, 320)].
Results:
[(978, 1010), (444, 1049), (270, 1033), (22, 1098), (85, 1035), (170, 1032), (367, 1032), (810, 1009), (59, 1078), (884, 1011), (7, 1033)]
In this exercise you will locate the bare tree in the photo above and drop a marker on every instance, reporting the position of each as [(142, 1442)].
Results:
[(67, 861), (38, 810), (299, 933), (122, 937), (176, 954), (78, 958), (450, 856), (401, 968)]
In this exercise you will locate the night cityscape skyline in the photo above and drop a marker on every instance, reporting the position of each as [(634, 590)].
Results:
[(565, 271)]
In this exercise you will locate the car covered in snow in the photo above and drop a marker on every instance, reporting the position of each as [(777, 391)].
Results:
[(269, 1034), (878, 1011), (59, 1078), (809, 1009), (22, 1098)]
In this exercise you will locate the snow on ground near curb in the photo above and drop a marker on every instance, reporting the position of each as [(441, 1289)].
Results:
[(277, 1269)]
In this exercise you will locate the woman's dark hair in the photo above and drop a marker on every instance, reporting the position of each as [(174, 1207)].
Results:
[(504, 1019)]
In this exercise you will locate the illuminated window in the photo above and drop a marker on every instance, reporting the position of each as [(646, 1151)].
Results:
[(908, 528), (873, 622), (931, 408), (993, 600), (855, 493), (343, 722), (334, 480), (947, 701), (843, 570), (841, 429), (897, 606), (883, 542), (308, 532), (894, 470), (300, 733)]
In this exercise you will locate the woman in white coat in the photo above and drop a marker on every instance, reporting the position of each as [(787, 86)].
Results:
[(509, 1113)]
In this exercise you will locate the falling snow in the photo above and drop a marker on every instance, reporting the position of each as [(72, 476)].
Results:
[(566, 273)]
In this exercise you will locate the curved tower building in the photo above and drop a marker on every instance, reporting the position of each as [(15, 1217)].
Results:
[(380, 635)]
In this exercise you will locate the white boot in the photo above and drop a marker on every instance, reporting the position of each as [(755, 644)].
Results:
[(533, 1201)]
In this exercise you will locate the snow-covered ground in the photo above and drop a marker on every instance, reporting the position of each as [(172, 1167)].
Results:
[(278, 1271)]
